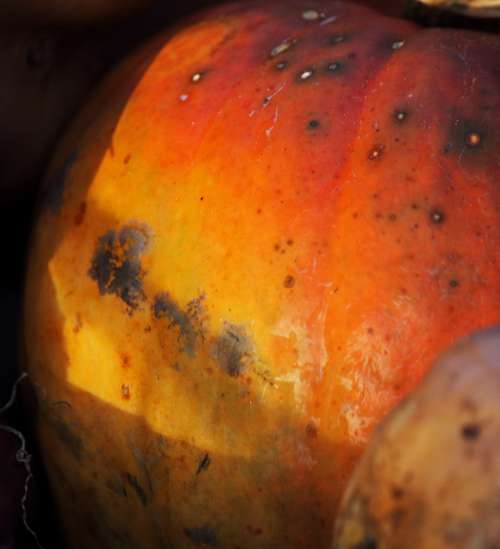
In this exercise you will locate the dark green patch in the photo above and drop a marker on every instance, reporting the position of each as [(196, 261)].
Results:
[(233, 350), (55, 185), (116, 264), (203, 535), (189, 322)]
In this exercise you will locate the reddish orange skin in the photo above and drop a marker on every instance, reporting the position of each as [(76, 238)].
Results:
[(339, 222)]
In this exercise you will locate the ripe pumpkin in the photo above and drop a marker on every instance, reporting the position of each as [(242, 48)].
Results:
[(255, 239)]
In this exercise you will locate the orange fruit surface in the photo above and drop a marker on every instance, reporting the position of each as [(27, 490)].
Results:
[(256, 238)]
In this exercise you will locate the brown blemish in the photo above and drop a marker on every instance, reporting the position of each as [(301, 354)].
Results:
[(78, 323), (311, 430), (289, 281), (125, 392), (471, 431), (127, 158)]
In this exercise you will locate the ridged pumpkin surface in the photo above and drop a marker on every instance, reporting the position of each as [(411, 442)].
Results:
[(256, 238)]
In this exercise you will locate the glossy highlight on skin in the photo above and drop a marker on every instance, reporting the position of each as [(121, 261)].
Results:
[(262, 267)]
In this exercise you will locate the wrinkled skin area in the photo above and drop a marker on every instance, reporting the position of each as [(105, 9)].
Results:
[(269, 225), (431, 474)]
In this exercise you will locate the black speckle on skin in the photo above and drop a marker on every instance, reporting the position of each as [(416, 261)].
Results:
[(313, 124), (166, 307), (204, 464), (116, 265), (203, 535), (139, 490), (56, 183), (471, 431), (335, 67), (454, 283), (233, 350)]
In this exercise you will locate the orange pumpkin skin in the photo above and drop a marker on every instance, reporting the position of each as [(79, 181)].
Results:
[(256, 238)]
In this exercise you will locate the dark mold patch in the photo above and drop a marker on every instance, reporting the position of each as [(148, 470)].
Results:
[(138, 489), (233, 350), (471, 431), (116, 265), (203, 535), (204, 464), (313, 124), (56, 184), (68, 438), (188, 322)]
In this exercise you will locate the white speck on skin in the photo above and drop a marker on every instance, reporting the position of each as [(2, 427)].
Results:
[(184, 97), (197, 76), (398, 45), (310, 15), (284, 46), (306, 74)]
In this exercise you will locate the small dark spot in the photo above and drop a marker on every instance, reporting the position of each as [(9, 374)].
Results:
[(313, 124), (414, 206), (204, 464), (233, 350), (376, 152), (202, 198), (125, 392), (436, 216), (277, 247), (366, 543), (289, 281), (454, 283), (139, 490), (393, 217), (335, 66), (116, 265), (397, 492), (337, 39), (400, 116), (127, 158), (80, 215), (204, 535), (471, 431), (281, 65)]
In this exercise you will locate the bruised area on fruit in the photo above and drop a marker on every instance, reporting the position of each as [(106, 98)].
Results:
[(286, 220)]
